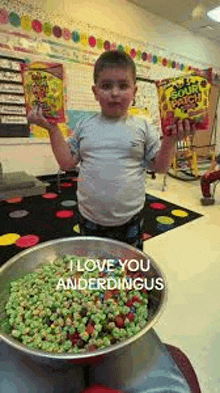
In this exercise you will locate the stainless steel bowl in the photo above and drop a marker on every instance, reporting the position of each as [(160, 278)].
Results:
[(90, 247)]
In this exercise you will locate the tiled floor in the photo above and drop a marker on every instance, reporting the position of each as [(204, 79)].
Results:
[(189, 257)]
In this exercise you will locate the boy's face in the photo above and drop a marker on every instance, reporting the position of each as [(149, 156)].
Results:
[(115, 90)]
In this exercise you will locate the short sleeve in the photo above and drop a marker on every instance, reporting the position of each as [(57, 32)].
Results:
[(153, 144)]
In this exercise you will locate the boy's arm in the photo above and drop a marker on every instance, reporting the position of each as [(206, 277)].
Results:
[(163, 157), (61, 150)]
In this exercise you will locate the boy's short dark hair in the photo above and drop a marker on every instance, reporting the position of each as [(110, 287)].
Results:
[(114, 58)]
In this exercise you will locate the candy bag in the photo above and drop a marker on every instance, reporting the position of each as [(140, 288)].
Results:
[(185, 97), (43, 87)]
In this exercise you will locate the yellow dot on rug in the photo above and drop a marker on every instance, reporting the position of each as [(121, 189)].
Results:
[(179, 213), (76, 228), (165, 220), (9, 238)]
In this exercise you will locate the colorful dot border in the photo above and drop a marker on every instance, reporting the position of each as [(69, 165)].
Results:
[(28, 23)]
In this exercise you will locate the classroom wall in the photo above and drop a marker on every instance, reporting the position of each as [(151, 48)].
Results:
[(116, 16)]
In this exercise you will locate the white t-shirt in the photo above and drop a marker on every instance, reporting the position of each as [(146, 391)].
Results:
[(113, 155)]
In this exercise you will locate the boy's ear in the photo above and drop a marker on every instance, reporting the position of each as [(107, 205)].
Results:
[(95, 92)]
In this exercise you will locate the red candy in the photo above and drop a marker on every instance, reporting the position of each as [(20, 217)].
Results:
[(108, 295), (73, 338), (90, 328), (119, 321), (135, 275), (92, 348), (130, 316), (135, 299)]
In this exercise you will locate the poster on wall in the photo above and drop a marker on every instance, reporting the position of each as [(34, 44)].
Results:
[(184, 97)]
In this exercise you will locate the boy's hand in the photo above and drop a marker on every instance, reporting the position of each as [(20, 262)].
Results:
[(180, 130), (36, 117)]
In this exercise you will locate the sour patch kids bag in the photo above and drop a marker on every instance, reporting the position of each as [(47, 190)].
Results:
[(43, 86), (185, 97)]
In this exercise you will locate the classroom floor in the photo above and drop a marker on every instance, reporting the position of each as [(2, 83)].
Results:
[(189, 257)]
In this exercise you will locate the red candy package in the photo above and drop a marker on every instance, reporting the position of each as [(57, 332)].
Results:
[(185, 97), (43, 87)]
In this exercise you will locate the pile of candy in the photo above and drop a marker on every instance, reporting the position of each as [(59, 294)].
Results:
[(73, 321)]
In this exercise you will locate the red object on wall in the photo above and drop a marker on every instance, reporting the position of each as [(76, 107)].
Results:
[(37, 26), (66, 34), (133, 53), (3, 16), (92, 41), (57, 31), (164, 62), (107, 45)]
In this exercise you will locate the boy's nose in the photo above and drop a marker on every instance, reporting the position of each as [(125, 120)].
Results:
[(115, 90)]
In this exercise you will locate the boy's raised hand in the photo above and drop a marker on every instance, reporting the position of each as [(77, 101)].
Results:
[(36, 117), (180, 130)]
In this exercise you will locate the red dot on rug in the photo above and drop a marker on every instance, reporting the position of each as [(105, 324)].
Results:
[(66, 184), (27, 241), (14, 200), (50, 195), (145, 236), (65, 213), (158, 206)]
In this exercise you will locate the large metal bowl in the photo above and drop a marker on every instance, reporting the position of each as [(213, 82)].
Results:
[(90, 247)]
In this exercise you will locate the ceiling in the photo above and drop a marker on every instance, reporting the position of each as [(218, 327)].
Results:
[(180, 13)]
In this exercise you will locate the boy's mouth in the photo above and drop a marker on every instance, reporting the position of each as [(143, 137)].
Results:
[(114, 104)]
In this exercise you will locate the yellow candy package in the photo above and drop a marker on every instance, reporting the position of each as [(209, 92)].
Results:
[(44, 88), (184, 97)]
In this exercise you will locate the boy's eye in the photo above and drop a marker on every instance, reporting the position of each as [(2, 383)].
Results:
[(109, 86), (123, 86), (106, 86)]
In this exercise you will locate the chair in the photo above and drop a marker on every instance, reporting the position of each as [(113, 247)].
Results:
[(185, 367)]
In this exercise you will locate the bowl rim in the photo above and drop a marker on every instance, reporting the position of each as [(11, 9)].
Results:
[(99, 352)]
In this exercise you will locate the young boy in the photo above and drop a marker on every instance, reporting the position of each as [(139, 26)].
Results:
[(113, 150), (209, 177)]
